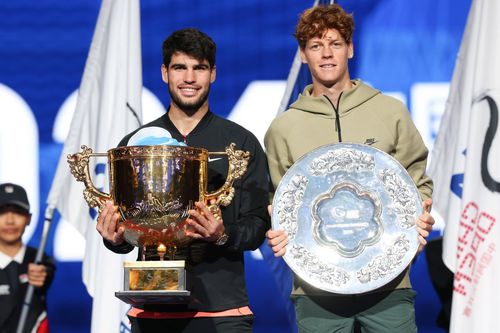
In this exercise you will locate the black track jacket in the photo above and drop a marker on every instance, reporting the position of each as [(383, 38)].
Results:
[(216, 275)]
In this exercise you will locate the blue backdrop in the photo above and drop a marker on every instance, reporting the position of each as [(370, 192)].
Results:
[(44, 44)]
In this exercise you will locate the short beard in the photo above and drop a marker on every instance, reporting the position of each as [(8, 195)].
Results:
[(188, 108)]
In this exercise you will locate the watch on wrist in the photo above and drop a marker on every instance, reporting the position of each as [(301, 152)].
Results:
[(222, 239)]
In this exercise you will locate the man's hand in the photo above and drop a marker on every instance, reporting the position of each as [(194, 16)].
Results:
[(277, 239), (36, 274), (107, 224), (204, 225), (424, 224)]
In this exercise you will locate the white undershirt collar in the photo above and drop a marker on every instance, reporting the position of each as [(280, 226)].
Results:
[(5, 259)]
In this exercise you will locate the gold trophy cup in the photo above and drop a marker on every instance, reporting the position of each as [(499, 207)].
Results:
[(154, 187)]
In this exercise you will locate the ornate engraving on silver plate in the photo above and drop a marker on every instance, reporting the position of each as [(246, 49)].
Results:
[(342, 159), (321, 272), (350, 213), (386, 263), (401, 195), (289, 203)]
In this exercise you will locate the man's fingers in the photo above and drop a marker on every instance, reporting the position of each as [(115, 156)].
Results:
[(274, 233), (423, 233), (422, 241), (280, 253), (205, 211), (277, 240), (120, 230), (193, 235), (280, 248), (427, 205), (199, 228), (198, 220), (282, 238), (108, 224), (118, 235), (205, 223), (100, 219), (112, 223)]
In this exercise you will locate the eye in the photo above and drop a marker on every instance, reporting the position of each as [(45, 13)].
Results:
[(201, 68), (314, 47), (178, 67)]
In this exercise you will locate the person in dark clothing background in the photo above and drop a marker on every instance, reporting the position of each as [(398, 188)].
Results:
[(215, 257), (17, 267)]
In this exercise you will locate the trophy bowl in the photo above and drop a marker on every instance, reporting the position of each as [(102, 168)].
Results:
[(154, 187)]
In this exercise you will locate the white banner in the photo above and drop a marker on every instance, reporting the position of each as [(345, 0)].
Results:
[(108, 107), (465, 170)]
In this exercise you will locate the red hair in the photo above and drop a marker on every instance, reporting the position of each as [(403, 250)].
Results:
[(314, 22)]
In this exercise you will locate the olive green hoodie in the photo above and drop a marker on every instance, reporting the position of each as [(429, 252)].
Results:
[(365, 116)]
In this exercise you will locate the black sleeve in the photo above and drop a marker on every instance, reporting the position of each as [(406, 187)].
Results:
[(121, 249), (247, 232)]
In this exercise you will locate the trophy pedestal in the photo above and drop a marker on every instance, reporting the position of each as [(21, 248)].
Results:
[(154, 282)]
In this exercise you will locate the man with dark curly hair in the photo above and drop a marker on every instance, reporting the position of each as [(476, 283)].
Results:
[(214, 259), (335, 109)]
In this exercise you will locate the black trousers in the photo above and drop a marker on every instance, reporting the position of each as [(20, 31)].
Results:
[(238, 324)]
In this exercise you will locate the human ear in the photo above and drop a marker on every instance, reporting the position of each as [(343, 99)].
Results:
[(303, 56), (350, 50), (213, 74), (164, 73)]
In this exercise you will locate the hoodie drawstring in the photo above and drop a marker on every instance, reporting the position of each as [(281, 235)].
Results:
[(337, 116)]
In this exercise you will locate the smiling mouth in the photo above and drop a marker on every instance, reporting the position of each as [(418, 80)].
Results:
[(327, 66), (188, 91)]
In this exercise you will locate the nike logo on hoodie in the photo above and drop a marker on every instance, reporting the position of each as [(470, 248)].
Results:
[(370, 141)]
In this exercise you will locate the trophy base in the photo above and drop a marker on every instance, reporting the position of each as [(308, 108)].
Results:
[(154, 282), (140, 298)]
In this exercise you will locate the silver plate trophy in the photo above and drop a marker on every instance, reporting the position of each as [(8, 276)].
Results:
[(350, 212)]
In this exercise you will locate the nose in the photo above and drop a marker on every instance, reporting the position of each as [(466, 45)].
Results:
[(327, 52), (190, 76), (9, 217)]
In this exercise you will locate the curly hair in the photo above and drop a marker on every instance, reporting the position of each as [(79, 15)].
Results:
[(192, 42), (314, 22)]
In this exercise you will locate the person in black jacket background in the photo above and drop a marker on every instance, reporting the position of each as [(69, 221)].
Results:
[(17, 267), (215, 266)]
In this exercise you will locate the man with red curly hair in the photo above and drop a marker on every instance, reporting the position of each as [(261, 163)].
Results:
[(335, 109)]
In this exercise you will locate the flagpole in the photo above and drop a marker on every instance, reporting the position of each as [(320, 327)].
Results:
[(108, 108), (290, 82), (49, 214)]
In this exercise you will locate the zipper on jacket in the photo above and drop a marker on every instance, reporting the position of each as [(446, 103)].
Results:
[(337, 116)]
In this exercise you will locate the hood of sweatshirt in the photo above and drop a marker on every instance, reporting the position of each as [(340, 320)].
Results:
[(350, 99)]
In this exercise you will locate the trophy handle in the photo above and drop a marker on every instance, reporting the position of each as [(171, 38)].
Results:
[(79, 165), (238, 162)]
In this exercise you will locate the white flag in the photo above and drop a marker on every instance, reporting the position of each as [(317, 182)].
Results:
[(465, 169), (108, 107)]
